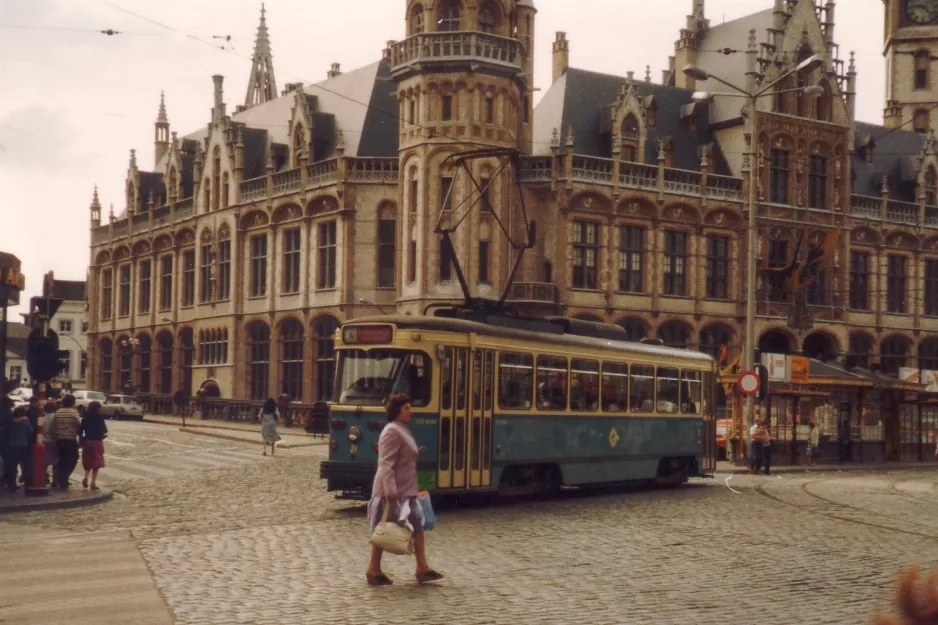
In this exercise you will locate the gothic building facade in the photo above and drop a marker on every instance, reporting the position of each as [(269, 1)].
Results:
[(248, 242)]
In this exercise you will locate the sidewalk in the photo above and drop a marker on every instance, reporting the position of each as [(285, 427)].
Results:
[(55, 500), (239, 431), (728, 467)]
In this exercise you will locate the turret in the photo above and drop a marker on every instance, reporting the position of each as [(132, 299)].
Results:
[(561, 55), (161, 133), (686, 48), (95, 209), (262, 85)]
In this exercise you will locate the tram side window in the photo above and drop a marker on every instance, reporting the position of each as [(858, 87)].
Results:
[(615, 387), (551, 383), (415, 379), (584, 385), (446, 378), (642, 388), (515, 381), (669, 396), (691, 392)]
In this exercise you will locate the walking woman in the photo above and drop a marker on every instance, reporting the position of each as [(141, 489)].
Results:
[(269, 416), (396, 483), (93, 433)]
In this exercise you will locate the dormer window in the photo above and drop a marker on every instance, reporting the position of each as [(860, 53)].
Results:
[(629, 139), (487, 19), (416, 20), (450, 16)]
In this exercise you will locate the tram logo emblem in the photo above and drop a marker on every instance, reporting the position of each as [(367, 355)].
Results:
[(613, 437)]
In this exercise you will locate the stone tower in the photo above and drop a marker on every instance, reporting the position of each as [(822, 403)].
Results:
[(95, 209), (262, 85), (911, 50), (464, 78), (161, 133)]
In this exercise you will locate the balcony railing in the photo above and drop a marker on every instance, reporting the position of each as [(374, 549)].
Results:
[(866, 206), (682, 181), (591, 169), (540, 292), (536, 169), (324, 172), (725, 188), (140, 222), (638, 176), (286, 181), (448, 46), (375, 170), (253, 189), (902, 212)]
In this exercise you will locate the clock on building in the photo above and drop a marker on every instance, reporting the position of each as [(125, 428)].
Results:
[(922, 11)]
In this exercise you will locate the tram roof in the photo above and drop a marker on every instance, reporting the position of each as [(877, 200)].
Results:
[(555, 334)]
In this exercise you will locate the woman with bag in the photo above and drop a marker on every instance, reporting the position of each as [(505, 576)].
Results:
[(394, 493), (268, 416), (92, 433)]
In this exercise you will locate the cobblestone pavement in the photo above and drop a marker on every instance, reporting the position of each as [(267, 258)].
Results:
[(262, 542)]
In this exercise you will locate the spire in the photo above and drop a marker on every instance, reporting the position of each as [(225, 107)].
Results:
[(161, 118), (95, 209), (161, 133), (262, 86)]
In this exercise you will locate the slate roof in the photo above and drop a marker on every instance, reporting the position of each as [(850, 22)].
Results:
[(893, 154), (579, 99), (69, 290), (150, 182)]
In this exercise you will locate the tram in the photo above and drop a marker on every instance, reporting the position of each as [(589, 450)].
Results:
[(519, 405)]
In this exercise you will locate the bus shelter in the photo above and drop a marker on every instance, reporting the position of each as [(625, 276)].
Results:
[(863, 417)]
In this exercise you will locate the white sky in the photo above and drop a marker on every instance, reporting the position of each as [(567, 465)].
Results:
[(72, 104)]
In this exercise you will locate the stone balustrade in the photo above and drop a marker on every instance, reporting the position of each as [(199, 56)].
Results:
[(455, 46)]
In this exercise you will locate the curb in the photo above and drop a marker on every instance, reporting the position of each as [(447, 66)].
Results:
[(835, 469), (44, 503), (219, 427), (239, 439)]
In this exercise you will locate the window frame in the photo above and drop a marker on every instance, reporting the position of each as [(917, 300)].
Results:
[(631, 258), (145, 282), (718, 266), (860, 280), (817, 181), (897, 284), (124, 290), (586, 255), (188, 278), (257, 245), (107, 293), (291, 261), (327, 253), (386, 235), (676, 266), (779, 175)]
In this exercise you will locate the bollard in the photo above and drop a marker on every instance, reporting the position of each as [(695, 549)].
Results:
[(38, 487)]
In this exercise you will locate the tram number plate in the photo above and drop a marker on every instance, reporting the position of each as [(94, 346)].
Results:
[(353, 449)]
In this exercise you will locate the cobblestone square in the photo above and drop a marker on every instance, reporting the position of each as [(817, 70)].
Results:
[(253, 539)]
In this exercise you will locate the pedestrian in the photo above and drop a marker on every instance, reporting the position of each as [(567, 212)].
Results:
[(395, 485), (268, 417), (93, 433), (48, 441), (767, 446), (8, 475), (757, 436), (65, 427), (32, 412), (814, 439), (18, 442)]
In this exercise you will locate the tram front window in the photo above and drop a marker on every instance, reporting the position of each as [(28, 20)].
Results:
[(367, 378)]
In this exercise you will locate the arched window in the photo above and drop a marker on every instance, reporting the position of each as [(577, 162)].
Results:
[(713, 338), (207, 194), (629, 139), (488, 19), (105, 347), (922, 69), (894, 354), (126, 363), (165, 343), (634, 328), (291, 359), (450, 14), (258, 360), (416, 21), (824, 102), (820, 346), (931, 186), (860, 352), (920, 121), (187, 345), (324, 332), (216, 177), (144, 348), (675, 334), (928, 355), (774, 342)]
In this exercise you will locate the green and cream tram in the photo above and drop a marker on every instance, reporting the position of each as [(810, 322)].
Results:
[(519, 405)]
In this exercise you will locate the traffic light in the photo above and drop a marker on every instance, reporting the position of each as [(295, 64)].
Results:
[(43, 356), (763, 373)]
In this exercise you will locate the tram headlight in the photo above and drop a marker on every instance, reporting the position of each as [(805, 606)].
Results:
[(354, 434)]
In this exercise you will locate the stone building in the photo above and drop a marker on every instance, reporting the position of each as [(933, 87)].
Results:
[(250, 240)]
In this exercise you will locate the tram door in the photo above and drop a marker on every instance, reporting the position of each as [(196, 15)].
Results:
[(454, 416), (479, 435)]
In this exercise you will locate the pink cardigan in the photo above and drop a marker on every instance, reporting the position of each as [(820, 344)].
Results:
[(397, 463)]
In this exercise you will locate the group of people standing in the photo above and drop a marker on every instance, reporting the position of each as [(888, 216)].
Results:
[(63, 434)]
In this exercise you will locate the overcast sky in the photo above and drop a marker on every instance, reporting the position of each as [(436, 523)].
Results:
[(73, 103)]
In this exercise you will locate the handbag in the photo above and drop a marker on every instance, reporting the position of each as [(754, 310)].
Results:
[(392, 537), (429, 517)]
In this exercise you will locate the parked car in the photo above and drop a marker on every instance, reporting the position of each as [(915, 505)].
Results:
[(20, 396), (83, 398), (121, 407)]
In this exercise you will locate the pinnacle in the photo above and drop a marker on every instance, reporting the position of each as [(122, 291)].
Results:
[(262, 86), (95, 201), (162, 118)]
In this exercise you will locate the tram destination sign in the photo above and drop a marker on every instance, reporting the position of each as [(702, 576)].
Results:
[(371, 335)]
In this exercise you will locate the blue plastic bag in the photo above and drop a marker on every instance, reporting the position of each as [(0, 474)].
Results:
[(426, 508)]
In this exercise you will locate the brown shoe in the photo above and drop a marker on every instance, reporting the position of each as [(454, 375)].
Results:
[(428, 576), (378, 580)]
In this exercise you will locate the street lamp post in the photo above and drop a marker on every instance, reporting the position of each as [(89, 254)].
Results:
[(700, 74), (131, 346)]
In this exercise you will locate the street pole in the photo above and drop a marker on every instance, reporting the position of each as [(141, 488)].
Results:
[(749, 347), (3, 344)]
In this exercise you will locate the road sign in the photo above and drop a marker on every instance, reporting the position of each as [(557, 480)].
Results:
[(748, 382)]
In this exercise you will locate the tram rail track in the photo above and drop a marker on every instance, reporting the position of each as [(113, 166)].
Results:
[(832, 514)]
